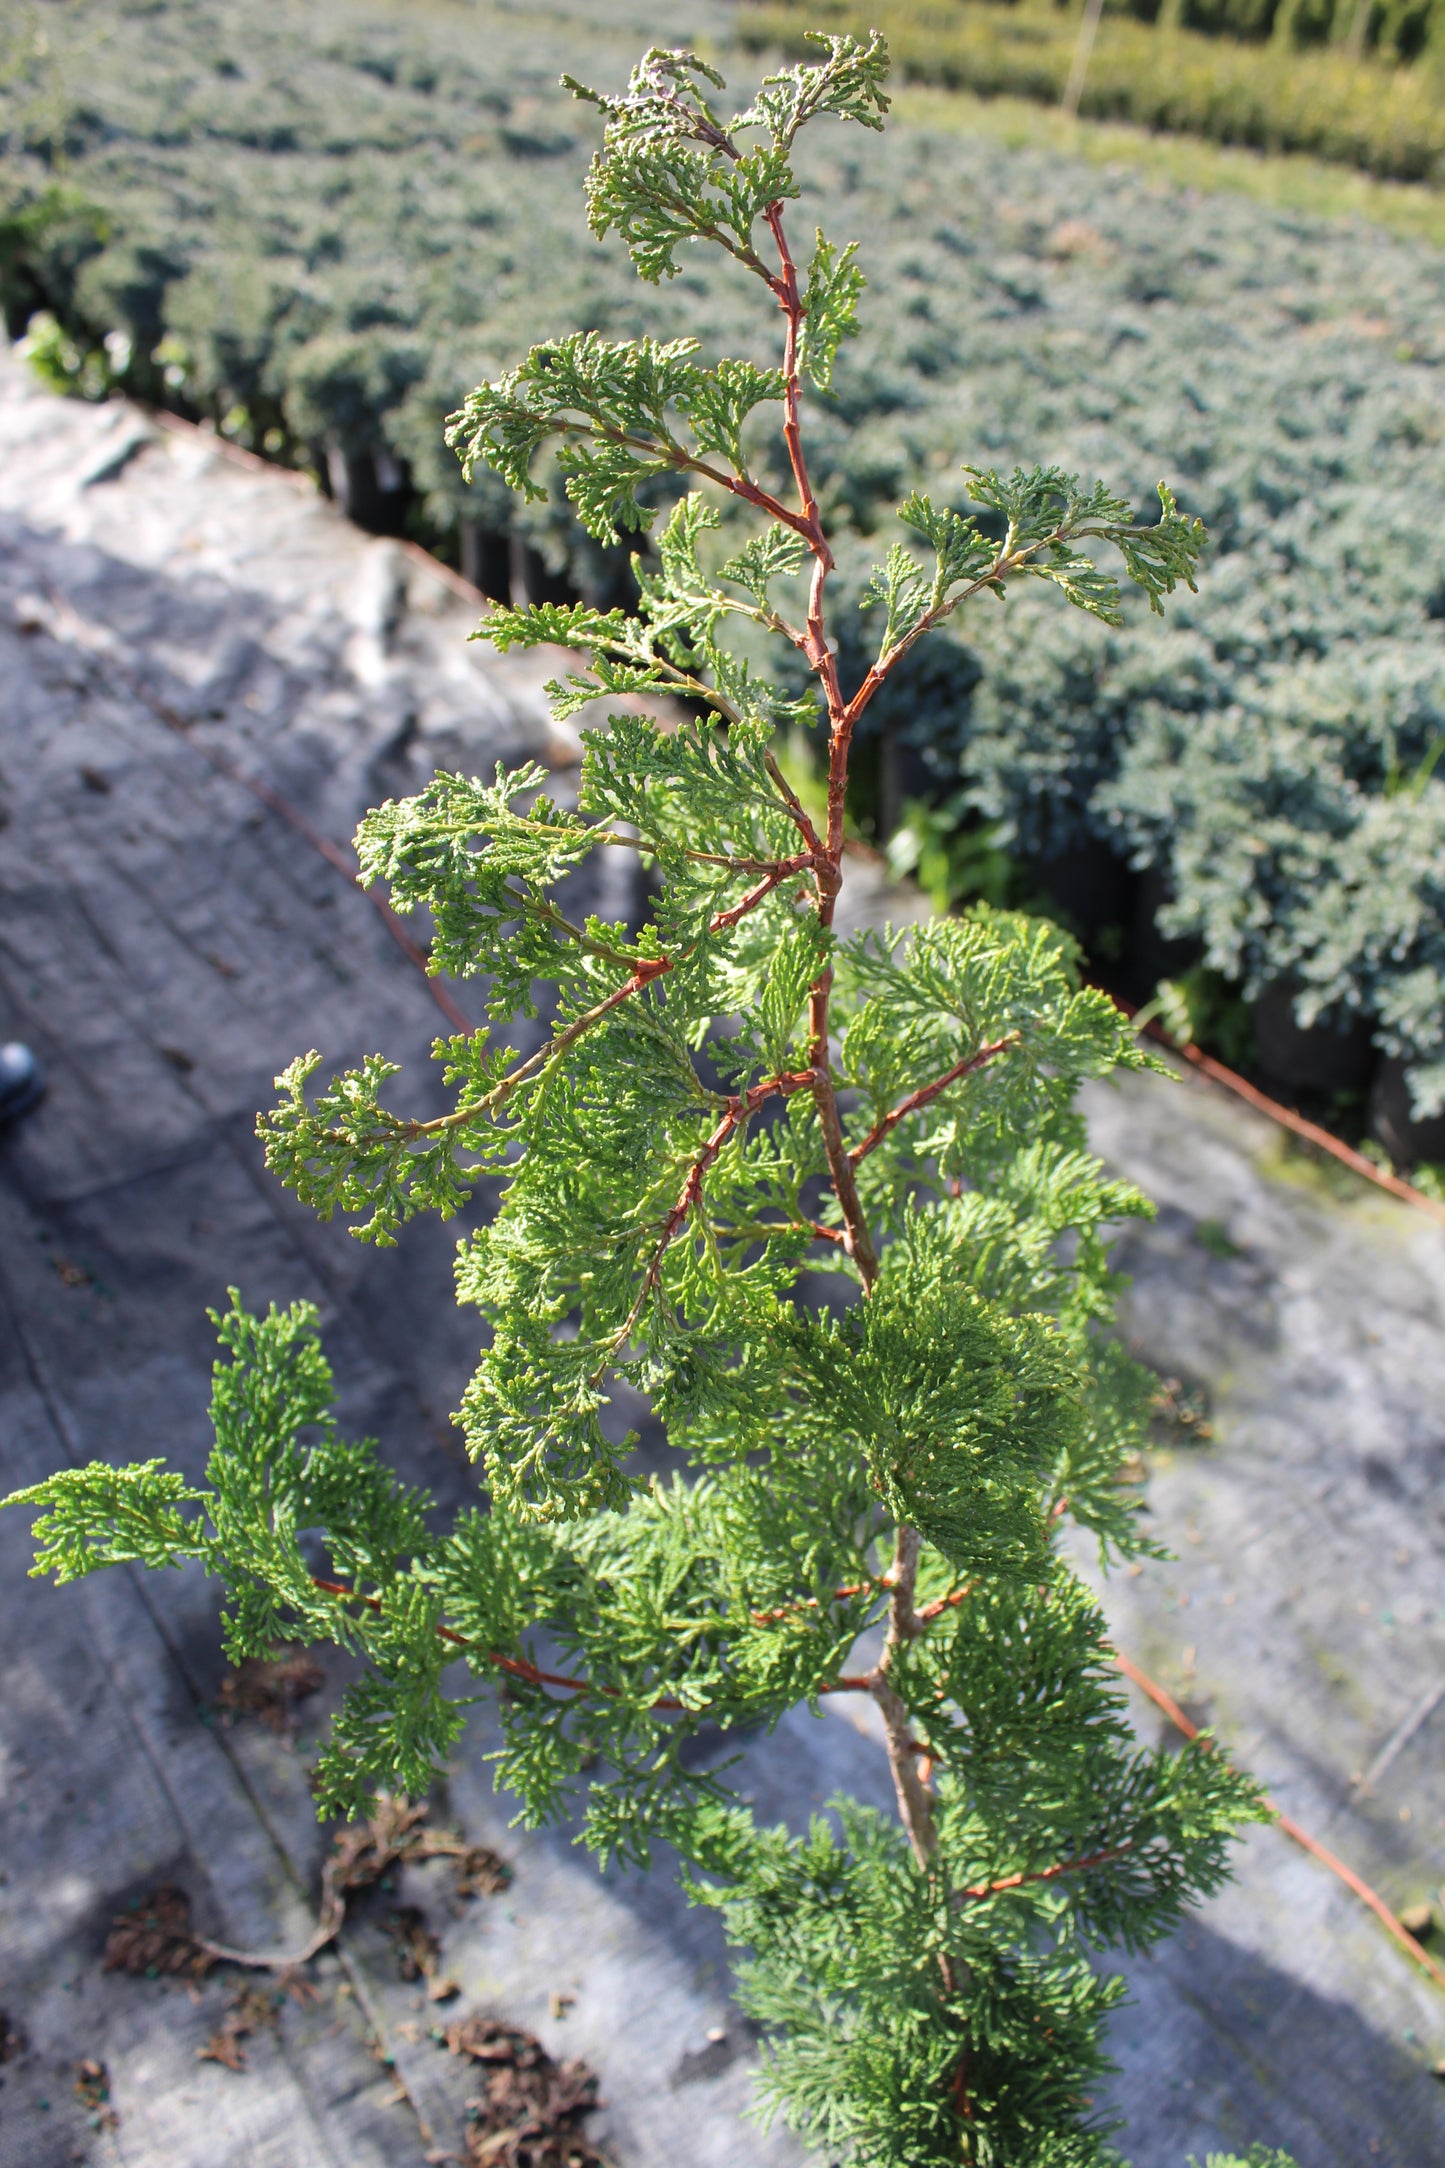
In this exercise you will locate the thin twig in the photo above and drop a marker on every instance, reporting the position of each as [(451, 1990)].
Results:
[(643, 974), (1292, 1829), (926, 1092), (1287, 1118), (1047, 1874), (517, 1666), (735, 1116)]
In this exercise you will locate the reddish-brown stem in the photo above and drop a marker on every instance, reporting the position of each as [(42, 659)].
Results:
[(940, 1604), (926, 1092), (1047, 1874), (650, 968), (1291, 1828), (859, 1242), (783, 871), (798, 810), (518, 1666), (750, 492), (810, 1603), (791, 304), (739, 485), (736, 1112), (785, 286), (827, 1234), (903, 1619), (925, 1613), (872, 1683), (915, 1802)]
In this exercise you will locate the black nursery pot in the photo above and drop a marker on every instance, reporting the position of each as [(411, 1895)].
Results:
[(1153, 955), (1392, 1123), (1088, 884), (1330, 1056)]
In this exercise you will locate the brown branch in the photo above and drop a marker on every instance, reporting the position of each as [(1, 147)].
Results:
[(755, 1230), (1285, 1116), (795, 806), (1008, 562), (926, 1092), (827, 1234), (646, 970), (859, 1241), (737, 1111), (925, 1614), (1046, 1874), (783, 871), (650, 968), (903, 1620), (517, 1666), (810, 1603), (929, 1611), (677, 455), (915, 1802), (1292, 1829)]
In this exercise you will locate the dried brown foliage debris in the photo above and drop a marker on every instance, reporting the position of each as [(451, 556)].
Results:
[(269, 1688), (530, 2112), (246, 2013), (155, 1937), (92, 2090)]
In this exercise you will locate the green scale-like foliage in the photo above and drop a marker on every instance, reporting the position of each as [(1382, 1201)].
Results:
[(826, 1202)]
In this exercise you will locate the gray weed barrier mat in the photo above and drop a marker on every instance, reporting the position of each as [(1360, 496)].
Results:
[(168, 942)]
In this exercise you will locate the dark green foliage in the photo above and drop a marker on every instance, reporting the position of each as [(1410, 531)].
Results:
[(956, 2044), (825, 1203)]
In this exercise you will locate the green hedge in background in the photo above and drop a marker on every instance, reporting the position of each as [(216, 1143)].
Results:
[(1281, 76), (321, 227)]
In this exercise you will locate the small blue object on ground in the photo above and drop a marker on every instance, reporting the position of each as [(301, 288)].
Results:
[(22, 1081)]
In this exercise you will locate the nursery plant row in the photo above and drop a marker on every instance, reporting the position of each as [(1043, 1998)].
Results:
[(1349, 80), (1245, 804)]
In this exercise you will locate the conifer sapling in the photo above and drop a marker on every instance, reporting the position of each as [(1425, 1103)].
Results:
[(825, 1201)]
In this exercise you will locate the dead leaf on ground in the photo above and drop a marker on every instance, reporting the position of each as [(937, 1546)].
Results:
[(270, 1687), (419, 1952), (417, 1948), (92, 2090), (71, 1274), (155, 1937), (12, 2039), (531, 2112), (246, 2013), (396, 1834), (481, 1872), (364, 1852)]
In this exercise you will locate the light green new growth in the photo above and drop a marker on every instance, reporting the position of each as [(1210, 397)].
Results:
[(825, 1201)]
